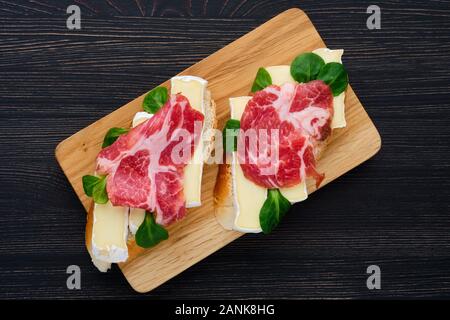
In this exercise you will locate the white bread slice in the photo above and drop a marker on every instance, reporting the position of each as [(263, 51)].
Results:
[(209, 126), (210, 123)]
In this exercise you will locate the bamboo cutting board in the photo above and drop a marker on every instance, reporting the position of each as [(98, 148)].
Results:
[(230, 72)]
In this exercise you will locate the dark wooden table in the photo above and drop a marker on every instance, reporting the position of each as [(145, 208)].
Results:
[(392, 211)]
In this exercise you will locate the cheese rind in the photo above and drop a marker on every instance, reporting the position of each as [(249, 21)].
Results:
[(193, 88), (102, 266), (109, 233)]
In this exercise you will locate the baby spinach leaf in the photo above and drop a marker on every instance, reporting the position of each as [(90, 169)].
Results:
[(306, 67), (273, 210), (155, 99), (95, 187), (230, 131), (150, 233), (112, 135), (89, 183), (99, 193), (334, 75), (262, 80)]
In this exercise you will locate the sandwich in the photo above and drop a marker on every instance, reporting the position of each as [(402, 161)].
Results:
[(275, 137), (148, 175)]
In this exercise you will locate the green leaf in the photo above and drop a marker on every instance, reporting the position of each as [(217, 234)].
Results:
[(306, 67), (334, 75), (112, 135), (95, 187), (262, 80), (155, 99), (150, 233), (273, 210), (230, 131), (89, 183), (99, 191)]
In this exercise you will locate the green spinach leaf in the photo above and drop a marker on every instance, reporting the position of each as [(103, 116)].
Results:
[(99, 193), (150, 233), (112, 135), (306, 67), (230, 131), (155, 99), (95, 187), (334, 75), (273, 210), (89, 183), (262, 80)]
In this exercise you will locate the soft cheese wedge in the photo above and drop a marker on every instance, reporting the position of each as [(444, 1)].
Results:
[(282, 74), (247, 197), (107, 238), (195, 89)]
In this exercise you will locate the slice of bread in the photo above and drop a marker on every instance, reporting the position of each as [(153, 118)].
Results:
[(210, 123)]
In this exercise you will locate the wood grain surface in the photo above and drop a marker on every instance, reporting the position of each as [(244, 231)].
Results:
[(230, 73), (392, 211)]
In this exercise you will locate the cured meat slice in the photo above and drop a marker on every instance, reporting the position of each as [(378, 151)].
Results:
[(145, 167), (280, 127)]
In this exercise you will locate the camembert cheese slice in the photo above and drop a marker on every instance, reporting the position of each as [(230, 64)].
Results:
[(109, 233), (193, 88)]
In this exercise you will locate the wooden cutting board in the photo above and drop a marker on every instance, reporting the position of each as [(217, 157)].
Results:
[(230, 72)]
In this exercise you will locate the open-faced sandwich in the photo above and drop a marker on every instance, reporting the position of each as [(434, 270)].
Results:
[(275, 137), (147, 175)]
